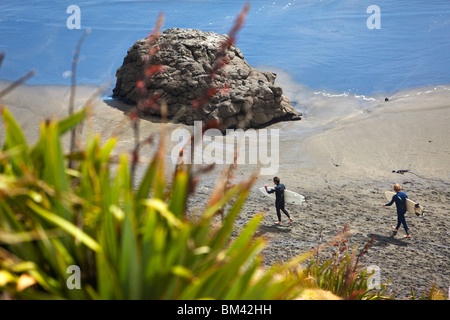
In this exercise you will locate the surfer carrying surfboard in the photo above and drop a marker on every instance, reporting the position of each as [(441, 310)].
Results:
[(279, 199), (400, 201)]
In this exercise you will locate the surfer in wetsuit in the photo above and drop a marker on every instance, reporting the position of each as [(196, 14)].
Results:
[(279, 199), (400, 201)]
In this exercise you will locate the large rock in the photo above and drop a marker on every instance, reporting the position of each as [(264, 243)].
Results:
[(251, 100)]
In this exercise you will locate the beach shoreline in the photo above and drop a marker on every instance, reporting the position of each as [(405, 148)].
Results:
[(341, 161)]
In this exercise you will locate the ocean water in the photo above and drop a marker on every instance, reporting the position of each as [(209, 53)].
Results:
[(333, 47)]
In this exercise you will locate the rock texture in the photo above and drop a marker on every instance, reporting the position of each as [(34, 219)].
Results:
[(250, 97)]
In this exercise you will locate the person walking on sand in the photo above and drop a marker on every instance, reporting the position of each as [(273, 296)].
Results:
[(400, 201), (279, 199)]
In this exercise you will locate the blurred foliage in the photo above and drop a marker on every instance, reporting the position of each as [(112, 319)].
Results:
[(129, 243), (137, 242)]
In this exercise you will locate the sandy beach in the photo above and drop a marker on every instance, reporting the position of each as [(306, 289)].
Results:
[(341, 159)]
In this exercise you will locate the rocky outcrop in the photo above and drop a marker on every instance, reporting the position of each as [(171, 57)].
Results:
[(246, 97)]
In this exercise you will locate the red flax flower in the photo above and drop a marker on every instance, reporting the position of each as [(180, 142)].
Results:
[(133, 115), (152, 102), (197, 103), (225, 89), (141, 89), (149, 68), (222, 58), (151, 38), (239, 23), (153, 69), (212, 92), (140, 86)]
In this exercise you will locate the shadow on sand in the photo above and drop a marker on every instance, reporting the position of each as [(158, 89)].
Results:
[(385, 240), (273, 228), (126, 108)]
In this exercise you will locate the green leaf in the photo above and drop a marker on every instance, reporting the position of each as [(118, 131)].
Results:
[(183, 272), (179, 193), (71, 121), (129, 265), (148, 179), (163, 209), (20, 237), (14, 134), (14, 139), (130, 273), (246, 234), (225, 231), (65, 225)]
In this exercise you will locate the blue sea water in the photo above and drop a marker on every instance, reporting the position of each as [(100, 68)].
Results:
[(322, 44)]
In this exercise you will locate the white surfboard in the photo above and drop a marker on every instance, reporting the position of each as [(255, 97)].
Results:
[(289, 196), (410, 205)]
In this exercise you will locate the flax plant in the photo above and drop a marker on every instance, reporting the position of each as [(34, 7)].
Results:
[(341, 274), (80, 209), (129, 243)]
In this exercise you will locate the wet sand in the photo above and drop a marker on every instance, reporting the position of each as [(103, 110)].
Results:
[(343, 167), (418, 262), (341, 161)]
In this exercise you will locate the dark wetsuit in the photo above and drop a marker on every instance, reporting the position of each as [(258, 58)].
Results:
[(279, 200), (400, 201)]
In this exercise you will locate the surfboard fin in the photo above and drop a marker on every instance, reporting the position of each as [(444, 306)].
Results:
[(417, 210)]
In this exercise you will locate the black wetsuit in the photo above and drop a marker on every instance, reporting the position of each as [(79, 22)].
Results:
[(279, 200)]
